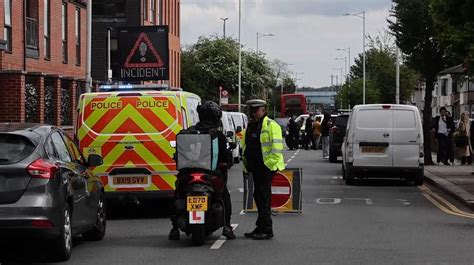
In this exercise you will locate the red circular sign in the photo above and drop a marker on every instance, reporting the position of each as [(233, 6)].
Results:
[(225, 93), (281, 190)]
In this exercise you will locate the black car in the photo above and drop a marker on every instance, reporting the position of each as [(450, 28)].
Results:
[(336, 136), (47, 191)]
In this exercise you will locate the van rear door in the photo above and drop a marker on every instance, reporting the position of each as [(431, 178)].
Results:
[(132, 131), (406, 137), (373, 137)]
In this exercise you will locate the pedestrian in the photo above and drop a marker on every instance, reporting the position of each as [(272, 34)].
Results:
[(450, 146), (463, 139), (308, 131), (293, 133), (325, 127), (443, 127), (210, 115), (262, 156), (317, 132)]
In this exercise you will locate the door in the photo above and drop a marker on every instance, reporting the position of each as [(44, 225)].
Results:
[(406, 138), (73, 179), (373, 137), (91, 183)]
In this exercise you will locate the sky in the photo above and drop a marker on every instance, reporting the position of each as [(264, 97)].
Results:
[(307, 32)]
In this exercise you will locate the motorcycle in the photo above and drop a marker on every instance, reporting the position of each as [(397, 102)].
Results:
[(199, 205)]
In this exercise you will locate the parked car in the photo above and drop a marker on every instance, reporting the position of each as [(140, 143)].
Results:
[(229, 129), (336, 136), (383, 140), (47, 191)]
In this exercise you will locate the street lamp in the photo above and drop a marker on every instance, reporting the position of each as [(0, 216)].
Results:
[(240, 58), (224, 19), (296, 80), (345, 64), (337, 69), (348, 49), (361, 15), (260, 35)]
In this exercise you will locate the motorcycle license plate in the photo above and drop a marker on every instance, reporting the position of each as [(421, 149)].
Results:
[(196, 203)]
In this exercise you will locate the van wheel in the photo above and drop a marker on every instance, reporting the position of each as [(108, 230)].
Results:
[(418, 179), (63, 244), (343, 171), (350, 179)]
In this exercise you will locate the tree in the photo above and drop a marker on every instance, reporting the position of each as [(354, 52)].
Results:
[(213, 62), (414, 32), (380, 73), (454, 21)]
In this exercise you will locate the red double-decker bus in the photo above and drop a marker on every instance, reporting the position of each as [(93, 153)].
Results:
[(293, 104)]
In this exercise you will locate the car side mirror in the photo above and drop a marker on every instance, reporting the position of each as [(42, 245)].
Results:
[(94, 160), (239, 129), (230, 134)]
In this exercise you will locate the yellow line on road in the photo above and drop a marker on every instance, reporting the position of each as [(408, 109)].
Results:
[(443, 204)]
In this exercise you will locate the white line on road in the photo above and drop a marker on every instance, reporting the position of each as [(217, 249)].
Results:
[(219, 242), (242, 212)]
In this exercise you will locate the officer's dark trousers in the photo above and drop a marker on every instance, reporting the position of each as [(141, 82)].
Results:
[(262, 178)]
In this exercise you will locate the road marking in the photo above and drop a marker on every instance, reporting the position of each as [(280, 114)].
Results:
[(328, 201), (242, 212), (367, 200), (403, 202), (443, 204), (241, 190), (293, 157), (219, 242)]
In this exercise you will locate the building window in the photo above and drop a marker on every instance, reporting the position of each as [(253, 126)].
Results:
[(47, 25), (78, 36), (7, 30), (444, 87), (145, 9), (31, 30), (64, 31), (153, 11), (178, 23)]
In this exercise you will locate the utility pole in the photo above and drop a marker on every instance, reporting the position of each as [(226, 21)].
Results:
[(240, 57), (89, 47), (397, 92)]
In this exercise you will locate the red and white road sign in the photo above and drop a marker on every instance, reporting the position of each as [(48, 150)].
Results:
[(225, 93), (196, 217), (281, 190)]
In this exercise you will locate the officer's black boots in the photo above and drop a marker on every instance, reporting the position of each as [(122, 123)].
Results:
[(228, 233)]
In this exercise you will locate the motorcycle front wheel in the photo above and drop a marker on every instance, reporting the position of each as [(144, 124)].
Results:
[(198, 234)]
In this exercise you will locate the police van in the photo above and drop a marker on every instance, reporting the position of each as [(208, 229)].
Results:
[(132, 128)]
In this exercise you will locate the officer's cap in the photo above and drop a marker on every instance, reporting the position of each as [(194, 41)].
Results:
[(255, 103)]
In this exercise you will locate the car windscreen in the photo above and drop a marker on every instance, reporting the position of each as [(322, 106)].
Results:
[(14, 148)]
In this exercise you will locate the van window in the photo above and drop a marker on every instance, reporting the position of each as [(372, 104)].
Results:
[(191, 104), (404, 119), (372, 119)]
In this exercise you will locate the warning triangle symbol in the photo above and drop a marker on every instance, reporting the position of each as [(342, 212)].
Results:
[(143, 45)]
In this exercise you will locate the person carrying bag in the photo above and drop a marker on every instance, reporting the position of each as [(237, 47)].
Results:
[(462, 139)]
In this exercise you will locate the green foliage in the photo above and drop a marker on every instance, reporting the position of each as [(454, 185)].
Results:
[(380, 79), (213, 62), (454, 21)]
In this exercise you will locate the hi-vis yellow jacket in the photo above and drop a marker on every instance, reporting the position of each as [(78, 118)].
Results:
[(272, 145)]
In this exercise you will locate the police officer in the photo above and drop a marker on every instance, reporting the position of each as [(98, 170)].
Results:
[(210, 115), (262, 147)]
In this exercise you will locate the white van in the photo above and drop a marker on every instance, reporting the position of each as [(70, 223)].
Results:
[(383, 140), (229, 129)]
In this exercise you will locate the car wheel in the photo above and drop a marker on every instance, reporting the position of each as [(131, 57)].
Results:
[(332, 155), (63, 244), (98, 232)]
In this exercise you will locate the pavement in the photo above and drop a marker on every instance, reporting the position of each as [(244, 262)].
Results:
[(455, 180)]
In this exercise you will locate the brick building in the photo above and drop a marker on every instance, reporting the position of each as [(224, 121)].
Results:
[(42, 60), (111, 14)]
